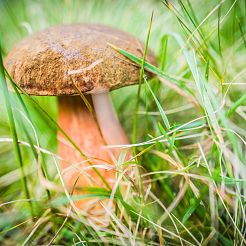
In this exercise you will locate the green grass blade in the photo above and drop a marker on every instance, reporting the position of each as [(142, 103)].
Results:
[(153, 69), (141, 73), (163, 52), (43, 166), (16, 146), (162, 112), (235, 105)]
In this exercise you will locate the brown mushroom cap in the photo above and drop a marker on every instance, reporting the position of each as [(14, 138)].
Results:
[(58, 59)]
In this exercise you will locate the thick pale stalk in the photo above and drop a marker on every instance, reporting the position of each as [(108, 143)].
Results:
[(108, 122)]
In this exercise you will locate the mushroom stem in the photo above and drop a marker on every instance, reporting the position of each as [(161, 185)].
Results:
[(109, 124), (90, 134), (81, 126)]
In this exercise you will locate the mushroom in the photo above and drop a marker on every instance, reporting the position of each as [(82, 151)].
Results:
[(66, 61)]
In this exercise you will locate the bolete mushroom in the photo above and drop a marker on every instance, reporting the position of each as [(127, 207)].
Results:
[(66, 61)]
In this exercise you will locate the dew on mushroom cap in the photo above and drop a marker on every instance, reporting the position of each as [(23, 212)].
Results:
[(68, 60)]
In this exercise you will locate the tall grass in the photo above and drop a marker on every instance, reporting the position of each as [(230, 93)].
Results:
[(187, 126)]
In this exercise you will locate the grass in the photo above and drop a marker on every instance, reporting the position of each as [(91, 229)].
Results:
[(187, 123)]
